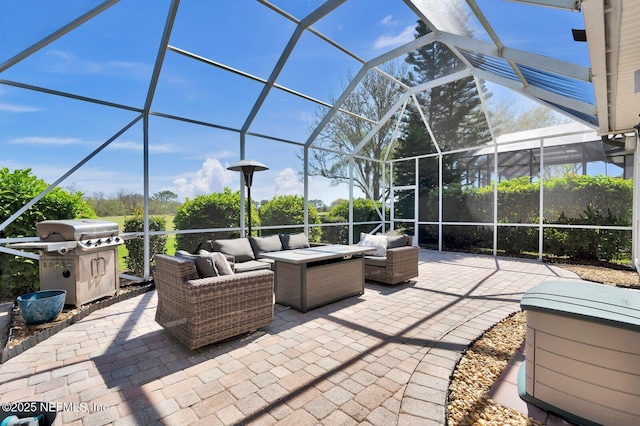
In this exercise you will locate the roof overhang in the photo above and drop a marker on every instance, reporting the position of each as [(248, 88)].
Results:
[(613, 41)]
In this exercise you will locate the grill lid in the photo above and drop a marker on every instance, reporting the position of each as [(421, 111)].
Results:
[(75, 229)]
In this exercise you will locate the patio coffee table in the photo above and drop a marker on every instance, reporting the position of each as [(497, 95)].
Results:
[(311, 277)]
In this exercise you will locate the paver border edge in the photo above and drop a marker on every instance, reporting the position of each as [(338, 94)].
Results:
[(8, 353), (471, 342)]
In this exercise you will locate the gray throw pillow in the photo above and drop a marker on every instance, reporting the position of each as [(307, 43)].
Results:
[(265, 244), (223, 265), (183, 254), (239, 248), (205, 265), (394, 241), (294, 241), (218, 261)]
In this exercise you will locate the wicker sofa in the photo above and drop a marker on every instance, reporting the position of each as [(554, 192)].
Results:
[(398, 264), (201, 311)]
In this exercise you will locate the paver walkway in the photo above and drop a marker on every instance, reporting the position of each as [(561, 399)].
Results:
[(382, 358)]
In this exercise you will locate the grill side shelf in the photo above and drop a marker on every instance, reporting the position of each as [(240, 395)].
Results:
[(61, 247)]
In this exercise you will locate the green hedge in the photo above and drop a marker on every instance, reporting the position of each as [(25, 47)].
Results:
[(135, 247), (288, 210), (20, 275), (216, 210), (364, 210), (568, 200)]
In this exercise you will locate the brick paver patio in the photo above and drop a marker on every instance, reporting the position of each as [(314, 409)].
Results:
[(382, 358)]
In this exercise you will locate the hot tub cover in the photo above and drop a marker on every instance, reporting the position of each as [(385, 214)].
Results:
[(587, 301)]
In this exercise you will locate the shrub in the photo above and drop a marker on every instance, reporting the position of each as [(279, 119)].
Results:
[(135, 247), (571, 195), (288, 210), (467, 238), (568, 200), (587, 244), (20, 275), (364, 210), (216, 210)]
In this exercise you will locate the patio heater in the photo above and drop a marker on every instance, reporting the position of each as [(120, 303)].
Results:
[(247, 167)]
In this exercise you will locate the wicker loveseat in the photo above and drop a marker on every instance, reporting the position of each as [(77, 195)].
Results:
[(397, 263), (201, 311)]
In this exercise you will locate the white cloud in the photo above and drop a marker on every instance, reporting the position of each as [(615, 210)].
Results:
[(388, 21), (287, 183), (68, 63), (125, 145), (38, 140), (17, 108), (137, 146), (212, 177), (393, 40)]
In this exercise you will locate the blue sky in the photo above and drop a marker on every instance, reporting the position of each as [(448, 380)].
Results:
[(111, 58)]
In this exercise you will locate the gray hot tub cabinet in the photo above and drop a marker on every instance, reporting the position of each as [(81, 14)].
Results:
[(583, 352)]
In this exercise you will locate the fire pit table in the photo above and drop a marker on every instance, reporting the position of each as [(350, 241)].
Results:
[(311, 277)]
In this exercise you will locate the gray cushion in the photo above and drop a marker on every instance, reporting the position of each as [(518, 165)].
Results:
[(265, 244), (269, 261), (183, 254), (219, 262), (294, 241), (375, 261), (251, 265), (206, 265), (394, 241), (239, 248)]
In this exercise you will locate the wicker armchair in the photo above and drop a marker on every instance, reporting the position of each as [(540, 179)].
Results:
[(399, 265), (201, 311)]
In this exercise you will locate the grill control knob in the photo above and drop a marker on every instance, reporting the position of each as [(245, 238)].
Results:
[(108, 241), (66, 273), (88, 243), (98, 242)]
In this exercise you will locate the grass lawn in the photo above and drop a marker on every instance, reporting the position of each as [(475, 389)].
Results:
[(122, 249)]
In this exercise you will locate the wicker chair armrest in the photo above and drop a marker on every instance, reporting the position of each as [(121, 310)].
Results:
[(402, 252)]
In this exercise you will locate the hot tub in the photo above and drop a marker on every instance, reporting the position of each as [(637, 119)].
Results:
[(583, 352)]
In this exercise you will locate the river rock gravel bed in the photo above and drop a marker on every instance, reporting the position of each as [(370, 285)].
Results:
[(478, 370)]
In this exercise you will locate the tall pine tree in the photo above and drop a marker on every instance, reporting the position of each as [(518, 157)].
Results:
[(454, 114)]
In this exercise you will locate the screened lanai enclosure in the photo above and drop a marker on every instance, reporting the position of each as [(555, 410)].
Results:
[(493, 126)]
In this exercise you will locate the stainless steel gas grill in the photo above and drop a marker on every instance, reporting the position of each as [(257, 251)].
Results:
[(79, 256)]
